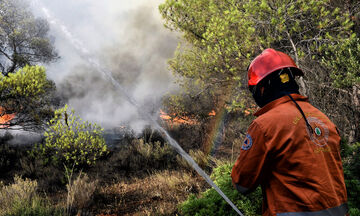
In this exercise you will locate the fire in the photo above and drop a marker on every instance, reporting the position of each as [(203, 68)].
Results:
[(252, 109), (247, 112), (212, 113), (180, 119), (176, 120), (164, 116), (5, 118)]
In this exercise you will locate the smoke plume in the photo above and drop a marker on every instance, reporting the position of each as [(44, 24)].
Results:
[(131, 43)]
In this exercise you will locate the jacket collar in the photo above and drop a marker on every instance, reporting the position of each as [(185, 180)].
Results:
[(279, 101)]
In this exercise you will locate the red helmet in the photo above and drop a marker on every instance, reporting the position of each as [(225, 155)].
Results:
[(267, 62)]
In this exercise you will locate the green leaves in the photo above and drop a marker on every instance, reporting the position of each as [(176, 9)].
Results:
[(344, 63), (221, 37), (351, 162), (211, 203), (26, 82), (72, 141), (27, 93)]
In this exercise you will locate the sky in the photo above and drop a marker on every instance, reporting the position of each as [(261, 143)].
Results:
[(127, 38)]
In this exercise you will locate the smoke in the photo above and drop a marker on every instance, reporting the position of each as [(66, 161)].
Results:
[(130, 41)]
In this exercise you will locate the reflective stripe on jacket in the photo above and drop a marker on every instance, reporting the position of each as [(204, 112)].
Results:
[(300, 173)]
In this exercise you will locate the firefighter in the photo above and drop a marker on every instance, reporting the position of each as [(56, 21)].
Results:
[(291, 149)]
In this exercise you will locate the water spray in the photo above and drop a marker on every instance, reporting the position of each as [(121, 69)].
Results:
[(85, 54)]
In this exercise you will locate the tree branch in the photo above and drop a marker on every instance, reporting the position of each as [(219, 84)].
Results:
[(293, 46)]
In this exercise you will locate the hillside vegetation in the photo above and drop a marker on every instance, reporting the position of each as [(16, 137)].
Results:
[(72, 171)]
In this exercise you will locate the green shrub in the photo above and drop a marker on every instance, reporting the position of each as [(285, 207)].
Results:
[(152, 150), (211, 203), (30, 95), (344, 61), (71, 141), (351, 163), (354, 212)]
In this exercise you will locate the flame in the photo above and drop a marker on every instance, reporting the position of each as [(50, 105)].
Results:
[(5, 118), (164, 115), (176, 120), (212, 113), (250, 110), (247, 112)]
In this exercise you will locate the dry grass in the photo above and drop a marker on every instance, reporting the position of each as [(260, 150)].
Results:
[(80, 193), (145, 178), (21, 192), (157, 194)]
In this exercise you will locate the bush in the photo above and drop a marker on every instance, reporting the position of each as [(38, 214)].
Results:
[(151, 151), (71, 141), (354, 212), (211, 203), (351, 164), (20, 198), (142, 156), (30, 95), (344, 61)]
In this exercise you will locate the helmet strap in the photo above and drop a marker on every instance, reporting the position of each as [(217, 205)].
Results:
[(311, 130)]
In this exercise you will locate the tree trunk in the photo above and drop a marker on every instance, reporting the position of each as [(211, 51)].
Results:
[(354, 134)]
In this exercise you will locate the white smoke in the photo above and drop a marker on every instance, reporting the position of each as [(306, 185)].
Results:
[(126, 38)]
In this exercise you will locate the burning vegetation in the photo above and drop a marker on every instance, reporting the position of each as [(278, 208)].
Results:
[(5, 118), (174, 119)]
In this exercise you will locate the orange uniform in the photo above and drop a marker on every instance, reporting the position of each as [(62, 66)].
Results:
[(300, 173)]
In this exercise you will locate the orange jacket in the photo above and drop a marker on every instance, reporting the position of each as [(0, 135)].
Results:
[(299, 174)]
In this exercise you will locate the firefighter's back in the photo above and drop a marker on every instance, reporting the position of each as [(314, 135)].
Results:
[(304, 167)]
